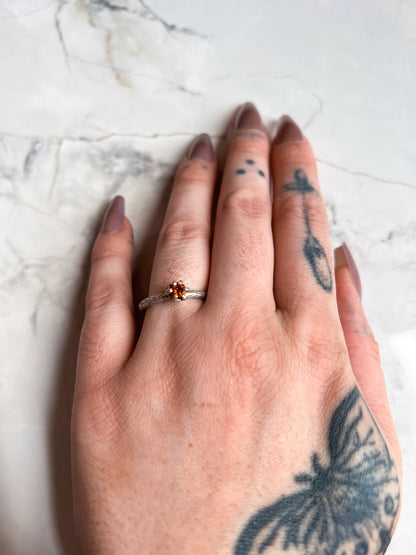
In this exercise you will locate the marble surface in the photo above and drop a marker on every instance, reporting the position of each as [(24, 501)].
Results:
[(99, 97)]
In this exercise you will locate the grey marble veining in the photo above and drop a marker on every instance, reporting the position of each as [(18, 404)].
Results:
[(102, 97)]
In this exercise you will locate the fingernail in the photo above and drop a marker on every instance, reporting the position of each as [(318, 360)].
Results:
[(201, 149), (343, 257), (288, 131), (248, 117), (114, 217)]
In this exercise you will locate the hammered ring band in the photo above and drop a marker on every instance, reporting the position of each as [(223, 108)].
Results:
[(177, 291)]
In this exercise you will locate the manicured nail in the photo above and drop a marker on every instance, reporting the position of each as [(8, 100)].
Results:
[(288, 131), (248, 117), (201, 149), (343, 257), (114, 217)]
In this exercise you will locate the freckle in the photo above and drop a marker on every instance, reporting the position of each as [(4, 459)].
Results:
[(251, 162), (190, 444), (261, 173), (240, 171)]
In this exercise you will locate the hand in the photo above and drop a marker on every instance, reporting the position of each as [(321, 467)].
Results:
[(256, 421)]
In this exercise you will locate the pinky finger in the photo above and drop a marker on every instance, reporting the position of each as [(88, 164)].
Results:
[(362, 347), (108, 334)]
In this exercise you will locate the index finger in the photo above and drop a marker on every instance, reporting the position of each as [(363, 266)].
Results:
[(108, 334), (303, 260)]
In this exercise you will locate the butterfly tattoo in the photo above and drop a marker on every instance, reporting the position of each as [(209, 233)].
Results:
[(346, 506)]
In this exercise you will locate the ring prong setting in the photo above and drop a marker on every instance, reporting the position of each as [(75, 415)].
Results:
[(177, 290)]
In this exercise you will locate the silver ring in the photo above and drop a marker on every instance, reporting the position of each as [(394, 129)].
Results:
[(177, 291)]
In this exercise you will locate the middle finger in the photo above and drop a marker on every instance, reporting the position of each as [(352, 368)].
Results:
[(242, 251)]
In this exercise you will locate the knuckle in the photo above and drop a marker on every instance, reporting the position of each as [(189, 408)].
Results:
[(247, 203), (183, 229), (98, 296), (244, 147), (192, 177), (253, 349), (105, 292), (108, 256), (323, 351), (316, 210), (291, 207), (326, 362), (326, 352), (108, 247)]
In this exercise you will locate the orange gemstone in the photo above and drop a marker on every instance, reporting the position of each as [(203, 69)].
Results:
[(177, 290)]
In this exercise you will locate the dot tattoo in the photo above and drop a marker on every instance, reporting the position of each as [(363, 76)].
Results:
[(250, 162), (312, 248), (347, 505)]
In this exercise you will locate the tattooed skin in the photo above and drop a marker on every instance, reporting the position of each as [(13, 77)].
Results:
[(242, 171), (312, 248), (347, 506)]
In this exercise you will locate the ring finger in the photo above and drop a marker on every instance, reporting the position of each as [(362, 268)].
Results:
[(183, 249)]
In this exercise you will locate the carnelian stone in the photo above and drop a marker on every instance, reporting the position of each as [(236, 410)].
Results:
[(178, 290)]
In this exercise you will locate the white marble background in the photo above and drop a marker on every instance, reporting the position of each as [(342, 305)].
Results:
[(99, 97)]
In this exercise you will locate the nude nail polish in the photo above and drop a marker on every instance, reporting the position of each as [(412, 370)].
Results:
[(288, 131), (114, 217), (343, 257)]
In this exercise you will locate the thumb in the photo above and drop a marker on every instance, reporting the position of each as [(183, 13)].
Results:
[(362, 347)]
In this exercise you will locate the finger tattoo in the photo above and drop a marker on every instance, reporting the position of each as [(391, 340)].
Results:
[(312, 248), (242, 171)]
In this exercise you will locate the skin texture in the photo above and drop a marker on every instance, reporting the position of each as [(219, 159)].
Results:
[(233, 422)]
